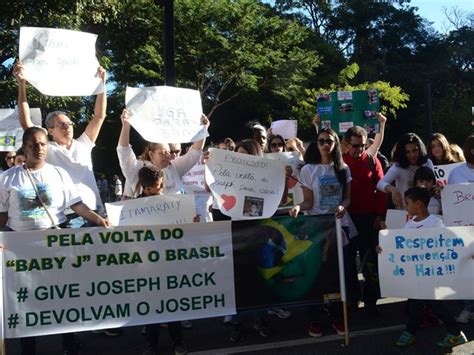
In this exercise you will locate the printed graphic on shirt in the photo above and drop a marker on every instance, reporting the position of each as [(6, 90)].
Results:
[(329, 192), (29, 204)]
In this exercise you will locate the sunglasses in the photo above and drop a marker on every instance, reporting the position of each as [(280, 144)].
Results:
[(10, 157), (328, 141), (357, 146), (290, 149), (276, 145)]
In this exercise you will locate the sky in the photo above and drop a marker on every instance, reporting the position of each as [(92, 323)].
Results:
[(432, 10)]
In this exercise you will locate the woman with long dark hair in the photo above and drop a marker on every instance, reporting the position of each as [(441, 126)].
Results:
[(410, 153), (326, 184)]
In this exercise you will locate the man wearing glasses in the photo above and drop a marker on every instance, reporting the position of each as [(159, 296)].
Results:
[(73, 155), (367, 209)]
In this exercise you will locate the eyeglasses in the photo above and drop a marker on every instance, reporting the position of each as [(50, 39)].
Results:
[(328, 141), (276, 145), (64, 125), (357, 146), (175, 152)]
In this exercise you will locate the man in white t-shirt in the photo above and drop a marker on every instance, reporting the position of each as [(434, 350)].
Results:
[(73, 155)]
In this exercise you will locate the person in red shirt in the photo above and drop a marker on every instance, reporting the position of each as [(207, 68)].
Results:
[(367, 209)]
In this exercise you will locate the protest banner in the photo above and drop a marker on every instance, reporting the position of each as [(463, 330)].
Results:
[(431, 263), (60, 62), (442, 172), (396, 219), (245, 186), (343, 109), (458, 204), (295, 193), (165, 114), (153, 210), (285, 128), (11, 133), (58, 281), (285, 261)]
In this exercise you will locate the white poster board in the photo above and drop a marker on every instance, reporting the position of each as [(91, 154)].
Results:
[(60, 62), (71, 280), (442, 172), (431, 263), (245, 186), (285, 128), (165, 114), (11, 133), (458, 204), (193, 180), (153, 210), (295, 193)]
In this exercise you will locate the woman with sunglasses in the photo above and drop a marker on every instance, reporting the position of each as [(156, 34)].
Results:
[(410, 153), (326, 184), (276, 144), (9, 160)]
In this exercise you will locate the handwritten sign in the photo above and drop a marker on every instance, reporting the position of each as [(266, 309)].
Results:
[(165, 114), (60, 62), (396, 219), (245, 186), (458, 204), (295, 193), (95, 278), (153, 210), (193, 180), (442, 172), (431, 263), (285, 128), (11, 133)]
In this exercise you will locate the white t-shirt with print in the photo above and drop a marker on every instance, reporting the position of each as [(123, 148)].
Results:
[(322, 181), (19, 199), (77, 161), (429, 222)]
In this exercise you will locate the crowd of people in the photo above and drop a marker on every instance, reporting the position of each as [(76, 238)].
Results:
[(50, 183)]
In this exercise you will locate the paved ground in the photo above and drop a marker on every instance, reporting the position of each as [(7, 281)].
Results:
[(369, 335)]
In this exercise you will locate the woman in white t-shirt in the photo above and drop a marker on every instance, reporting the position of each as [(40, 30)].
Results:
[(34, 196), (326, 185), (409, 155)]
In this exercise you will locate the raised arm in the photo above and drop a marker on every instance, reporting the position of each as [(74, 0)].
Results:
[(93, 127), (23, 107), (199, 145), (316, 121), (124, 138), (378, 139)]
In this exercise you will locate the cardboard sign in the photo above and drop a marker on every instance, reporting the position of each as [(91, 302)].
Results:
[(396, 219), (153, 210), (11, 133), (245, 186), (431, 263), (285, 128), (343, 109), (165, 114), (458, 204), (60, 62)]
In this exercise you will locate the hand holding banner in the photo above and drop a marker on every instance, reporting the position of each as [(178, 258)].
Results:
[(245, 186), (163, 114), (60, 62), (11, 133), (153, 210)]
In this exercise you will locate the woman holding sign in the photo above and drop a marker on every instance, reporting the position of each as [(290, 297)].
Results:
[(34, 196), (157, 154), (326, 185), (410, 153)]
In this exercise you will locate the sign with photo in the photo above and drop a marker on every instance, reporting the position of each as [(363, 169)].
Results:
[(343, 109), (245, 186)]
